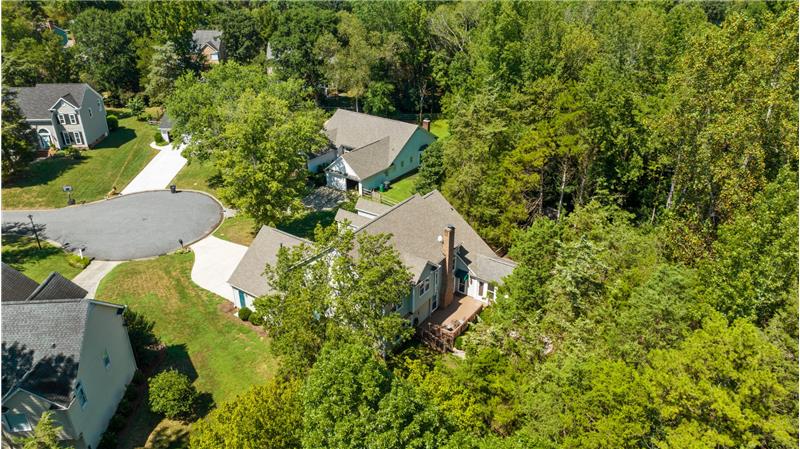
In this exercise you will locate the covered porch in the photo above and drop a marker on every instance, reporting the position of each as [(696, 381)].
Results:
[(445, 324)]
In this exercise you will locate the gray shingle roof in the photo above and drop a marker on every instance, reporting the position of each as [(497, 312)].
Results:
[(35, 102), (249, 274), (210, 37), (492, 269), (372, 207), (376, 140), (416, 225), (15, 285), (57, 287), (165, 122), (41, 346), (354, 219)]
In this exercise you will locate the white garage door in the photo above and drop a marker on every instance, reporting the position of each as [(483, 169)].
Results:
[(336, 181)]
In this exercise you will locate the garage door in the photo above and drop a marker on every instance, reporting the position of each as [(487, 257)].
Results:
[(336, 181)]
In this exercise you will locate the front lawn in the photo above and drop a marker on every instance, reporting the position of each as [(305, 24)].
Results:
[(238, 229), (114, 162), (23, 254), (198, 175), (401, 189), (221, 354)]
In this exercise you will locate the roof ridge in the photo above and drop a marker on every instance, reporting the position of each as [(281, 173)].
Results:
[(364, 146), (416, 195), (286, 234), (41, 286), (378, 117), (42, 301)]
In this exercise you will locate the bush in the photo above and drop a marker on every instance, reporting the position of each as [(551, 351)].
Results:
[(108, 441), (172, 395), (113, 122), (72, 152), (159, 138), (140, 333), (256, 319), (244, 313), (78, 261)]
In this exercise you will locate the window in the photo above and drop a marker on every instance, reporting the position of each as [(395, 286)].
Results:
[(66, 137), (215, 56), (481, 289), (77, 137), (424, 286), (90, 112), (18, 422), (402, 163), (106, 359), (73, 119), (411, 159), (81, 395), (61, 119), (491, 291)]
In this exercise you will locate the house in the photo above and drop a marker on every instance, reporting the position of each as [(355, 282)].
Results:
[(209, 43), (63, 114), (165, 127), (455, 273), (368, 150), (247, 280), (61, 353)]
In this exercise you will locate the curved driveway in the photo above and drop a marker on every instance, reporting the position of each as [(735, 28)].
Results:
[(132, 226)]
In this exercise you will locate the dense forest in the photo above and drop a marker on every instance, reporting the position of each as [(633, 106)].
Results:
[(638, 160)]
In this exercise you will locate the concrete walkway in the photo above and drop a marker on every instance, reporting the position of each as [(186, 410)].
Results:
[(214, 262), (159, 172), (91, 276)]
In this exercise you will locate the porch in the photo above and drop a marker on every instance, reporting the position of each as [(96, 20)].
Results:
[(445, 324)]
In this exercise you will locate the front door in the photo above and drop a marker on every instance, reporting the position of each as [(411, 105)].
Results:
[(242, 300)]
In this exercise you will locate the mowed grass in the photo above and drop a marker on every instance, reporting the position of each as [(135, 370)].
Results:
[(401, 189), (440, 128), (239, 229), (224, 356), (198, 175), (114, 162), (23, 254)]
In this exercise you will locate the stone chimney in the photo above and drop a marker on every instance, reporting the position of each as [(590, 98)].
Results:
[(426, 124), (448, 248)]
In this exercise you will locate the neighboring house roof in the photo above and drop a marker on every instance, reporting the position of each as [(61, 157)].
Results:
[(372, 207), (42, 345), (492, 269), (417, 223), (354, 219), (375, 141), (249, 274), (35, 102), (165, 123), (207, 37), (15, 285)]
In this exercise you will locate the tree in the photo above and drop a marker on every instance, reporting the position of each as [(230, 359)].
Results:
[(431, 168), (267, 416), (262, 156), (45, 434), (298, 28), (241, 33), (326, 291), (103, 41), (136, 105), (165, 68), (172, 394), (378, 98), (19, 140)]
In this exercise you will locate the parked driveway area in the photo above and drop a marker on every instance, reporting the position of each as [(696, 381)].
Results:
[(214, 262), (131, 226), (159, 171)]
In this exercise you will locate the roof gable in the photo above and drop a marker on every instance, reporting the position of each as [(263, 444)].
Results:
[(37, 102), (15, 285), (249, 274)]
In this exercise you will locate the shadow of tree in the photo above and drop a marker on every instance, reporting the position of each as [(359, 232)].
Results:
[(169, 437), (17, 360), (117, 138), (42, 172), (51, 375), (19, 249), (304, 226)]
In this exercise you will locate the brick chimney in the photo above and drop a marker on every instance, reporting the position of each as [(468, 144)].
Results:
[(448, 248), (426, 124)]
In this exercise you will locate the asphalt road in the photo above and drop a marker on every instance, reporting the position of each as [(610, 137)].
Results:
[(132, 226)]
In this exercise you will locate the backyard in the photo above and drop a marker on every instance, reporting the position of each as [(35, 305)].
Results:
[(401, 189), (221, 354), (114, 162), (23, 254)]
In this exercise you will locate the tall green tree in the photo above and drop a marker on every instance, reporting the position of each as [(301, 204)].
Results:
[(103, 41), (166, 66), (242, 36), (19, 139)]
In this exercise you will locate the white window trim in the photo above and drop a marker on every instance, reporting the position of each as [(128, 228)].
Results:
[(28, 428), (73, 119), (80, 391), (67, 137), (62, 119), (77, 137)]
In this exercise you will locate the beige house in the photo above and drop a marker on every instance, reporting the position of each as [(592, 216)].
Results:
[(61, 353), (209, 43)]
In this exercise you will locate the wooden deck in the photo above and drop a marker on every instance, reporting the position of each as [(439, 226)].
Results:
[(444, 325)]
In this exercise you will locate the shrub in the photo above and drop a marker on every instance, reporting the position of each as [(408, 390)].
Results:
[(244, 313), (108, 441), (140, 333), (256, 319), (78, 261), (172, 394), (159, 138), (72, 152), (113, 122), (136, 105)]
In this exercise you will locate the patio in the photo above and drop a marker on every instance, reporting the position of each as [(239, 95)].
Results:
[(445, 324)]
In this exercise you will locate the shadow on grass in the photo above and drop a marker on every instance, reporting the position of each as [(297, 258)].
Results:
[(18, 249), (44, 171), (304, 226), (116, 139)]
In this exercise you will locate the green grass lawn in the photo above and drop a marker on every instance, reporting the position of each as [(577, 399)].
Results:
[(23, 254), (198, 175), (114, 162), (401, 189), (440, 128), (221, 354), (239, 229), (304, 226)]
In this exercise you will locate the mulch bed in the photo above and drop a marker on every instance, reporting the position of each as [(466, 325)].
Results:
[(229, 310)]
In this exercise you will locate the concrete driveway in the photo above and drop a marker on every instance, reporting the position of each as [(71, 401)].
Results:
[(128, 227), (159, 171), (214, 262)]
